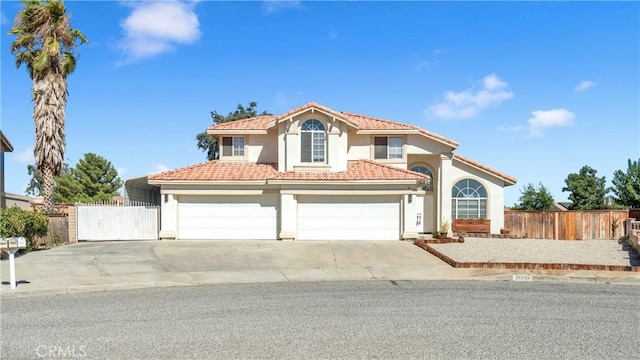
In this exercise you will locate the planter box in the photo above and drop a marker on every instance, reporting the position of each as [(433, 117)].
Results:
[(471, 226)]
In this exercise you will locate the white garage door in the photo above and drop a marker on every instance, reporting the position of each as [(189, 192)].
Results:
[(348, 218), (227, 217)]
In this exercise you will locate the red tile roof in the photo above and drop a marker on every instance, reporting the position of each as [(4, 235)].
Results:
[(506, 178), (308, 106), (256, 123), (362, 122), (371, 123), (220, 171), (360, 170)]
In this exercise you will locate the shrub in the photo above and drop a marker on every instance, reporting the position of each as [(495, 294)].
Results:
[(15, 222)]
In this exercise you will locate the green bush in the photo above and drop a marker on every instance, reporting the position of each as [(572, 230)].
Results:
[(15, 222)]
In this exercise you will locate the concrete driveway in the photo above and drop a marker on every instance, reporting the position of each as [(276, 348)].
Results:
[(91, 266), (98, 266), (136, 257)]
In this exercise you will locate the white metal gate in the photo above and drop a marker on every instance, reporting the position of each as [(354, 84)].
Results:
[(108, 222)]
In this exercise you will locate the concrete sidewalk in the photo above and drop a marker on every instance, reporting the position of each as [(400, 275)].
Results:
[(100, 266)]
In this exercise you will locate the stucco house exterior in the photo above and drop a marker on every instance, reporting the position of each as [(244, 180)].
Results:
[(314, 173), (8, 200)]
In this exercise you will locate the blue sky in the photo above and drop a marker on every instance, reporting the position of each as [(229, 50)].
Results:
[(533, 89)]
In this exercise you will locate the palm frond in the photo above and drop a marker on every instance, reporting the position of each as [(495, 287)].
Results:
[(69, 63), (78, 35), (41, 62)]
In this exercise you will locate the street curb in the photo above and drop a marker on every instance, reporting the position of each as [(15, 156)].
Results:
[(320, 275)]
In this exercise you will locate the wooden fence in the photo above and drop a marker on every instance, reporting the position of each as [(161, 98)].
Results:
[(566, 225), (58, 232)]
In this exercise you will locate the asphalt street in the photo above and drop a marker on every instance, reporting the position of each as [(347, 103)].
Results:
[(329, 320)]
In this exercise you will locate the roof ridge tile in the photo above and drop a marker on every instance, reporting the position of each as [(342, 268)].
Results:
[(485, 168)]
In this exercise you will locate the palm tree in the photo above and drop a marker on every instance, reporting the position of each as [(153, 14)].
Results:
[(44, 43)]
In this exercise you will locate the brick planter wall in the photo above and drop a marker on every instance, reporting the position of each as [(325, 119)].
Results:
[(471, 226)]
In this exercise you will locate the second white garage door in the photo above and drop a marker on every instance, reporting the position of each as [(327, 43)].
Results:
[(348, 218), (227, 217)]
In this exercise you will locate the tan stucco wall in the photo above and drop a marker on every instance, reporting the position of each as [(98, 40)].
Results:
[(262, 148), (287, 209), (288, 140), (495, 192), (421, 145), (359, 146), (168, 216)]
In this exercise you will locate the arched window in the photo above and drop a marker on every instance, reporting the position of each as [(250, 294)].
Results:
[(312, 142), (468, 200), (424, 170)]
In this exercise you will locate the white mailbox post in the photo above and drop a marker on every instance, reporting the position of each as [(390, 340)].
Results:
[(12, 245)]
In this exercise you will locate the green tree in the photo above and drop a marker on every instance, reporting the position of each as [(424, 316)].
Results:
[(587, 191), (34, 188), (535, 199), (45, 44), (626, 185), (209, 144), (17, 222), (93, 179)]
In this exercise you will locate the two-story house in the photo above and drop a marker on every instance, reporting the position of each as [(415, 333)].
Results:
[(314, 173)]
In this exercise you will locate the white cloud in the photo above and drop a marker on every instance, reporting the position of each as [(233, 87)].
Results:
[(158, 168), (585, 85), (154, 28), (272, 6), (24, 156), (470, 102), (121, 171), (543, 119)]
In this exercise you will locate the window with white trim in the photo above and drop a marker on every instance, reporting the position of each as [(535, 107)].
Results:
[(468, 200), (387, 147), (312, 142), (233, 146), (425, 170)]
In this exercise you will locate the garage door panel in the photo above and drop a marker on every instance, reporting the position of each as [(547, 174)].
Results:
[(227, 217), (348, 218)]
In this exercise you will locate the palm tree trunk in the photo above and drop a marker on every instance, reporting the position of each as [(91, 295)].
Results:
[(50, 99), (47, 189)]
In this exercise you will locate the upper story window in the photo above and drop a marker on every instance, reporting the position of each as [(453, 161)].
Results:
[(426, 171), (468, 200), (387, 147), (312, 141), (233, 146)]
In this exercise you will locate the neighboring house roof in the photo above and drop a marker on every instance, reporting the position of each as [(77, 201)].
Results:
[(558, 207), (5, 144), (508, 180), (360, 122), (565, 204), (360, 170)]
